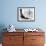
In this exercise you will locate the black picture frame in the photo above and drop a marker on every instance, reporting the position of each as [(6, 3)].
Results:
[(26, 14)]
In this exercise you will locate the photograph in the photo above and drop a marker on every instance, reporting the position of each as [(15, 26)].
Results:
[(26, 14)]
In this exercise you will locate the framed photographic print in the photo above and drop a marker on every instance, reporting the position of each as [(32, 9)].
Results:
[(26, 14)]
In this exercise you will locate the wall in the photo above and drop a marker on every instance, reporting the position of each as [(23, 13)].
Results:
[(8, 13)]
